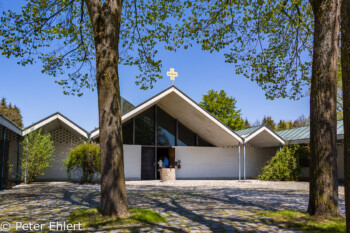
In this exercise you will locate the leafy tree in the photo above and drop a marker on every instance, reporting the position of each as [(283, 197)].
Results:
[(283, 125), (84, 160), (269, 122), (267, 41), (345, 65), (12, 113), (301, 121), (223, 107), (339, 94), (37, 154), (246, 123), (285, 165), (88, 39)]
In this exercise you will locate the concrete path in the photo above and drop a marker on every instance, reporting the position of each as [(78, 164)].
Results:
[(190, 206)]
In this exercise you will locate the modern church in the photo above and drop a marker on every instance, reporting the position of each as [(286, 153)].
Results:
[(171, 125)]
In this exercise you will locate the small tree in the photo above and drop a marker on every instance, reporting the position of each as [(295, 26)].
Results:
[(37, 154), (85, 161), (224, 108), (284, 165)]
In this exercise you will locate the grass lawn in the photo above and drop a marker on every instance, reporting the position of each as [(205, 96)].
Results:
[(93, 218), (303, 222)]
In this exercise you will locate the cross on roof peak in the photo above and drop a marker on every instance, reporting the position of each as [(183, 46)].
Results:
[(172, 74)]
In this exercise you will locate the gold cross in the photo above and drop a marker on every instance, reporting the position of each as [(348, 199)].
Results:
[(172, 74)]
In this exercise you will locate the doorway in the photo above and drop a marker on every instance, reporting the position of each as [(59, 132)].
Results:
[(147, 163)]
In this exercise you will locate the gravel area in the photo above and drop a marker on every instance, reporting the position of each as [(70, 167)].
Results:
[(189, 205)]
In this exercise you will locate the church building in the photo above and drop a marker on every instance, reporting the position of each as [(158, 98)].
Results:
[(170, 124)]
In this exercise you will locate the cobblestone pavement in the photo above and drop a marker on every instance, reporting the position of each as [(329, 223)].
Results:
[(190, 206)]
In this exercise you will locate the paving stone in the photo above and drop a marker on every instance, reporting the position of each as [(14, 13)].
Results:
[(190, 206)]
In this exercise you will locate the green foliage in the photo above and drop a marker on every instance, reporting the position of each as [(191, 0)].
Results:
[(223, 108), (340, 113), (11, 112), (283, 125), (269, 122), (285, 165), (37, 154), (93, 218), (59, 34), (303, 222), (269, 42), (84, 160)]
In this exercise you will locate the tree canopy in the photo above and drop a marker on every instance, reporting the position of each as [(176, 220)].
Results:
[(13, 113), (224, 108)]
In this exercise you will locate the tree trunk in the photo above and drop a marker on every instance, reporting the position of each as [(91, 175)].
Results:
[(106, 24), (345, 63), (323, 198)]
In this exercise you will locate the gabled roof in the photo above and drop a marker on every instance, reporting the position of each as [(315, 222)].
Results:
[(50, 119), (188, 112), (4, 121), (303, 132), (260, 136)]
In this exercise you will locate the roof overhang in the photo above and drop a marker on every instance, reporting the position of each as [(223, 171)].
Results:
[(11, 126), (190, 114), (53, 120), (264, 137)]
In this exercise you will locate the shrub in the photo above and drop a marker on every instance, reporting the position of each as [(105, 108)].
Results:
[(37, 154), (85, 161), (284, 166)]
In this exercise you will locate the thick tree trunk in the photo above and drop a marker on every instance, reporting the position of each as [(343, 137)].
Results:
[(323, 198), (106, 24), (345, 63)]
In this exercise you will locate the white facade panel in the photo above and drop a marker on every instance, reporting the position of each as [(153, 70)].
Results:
[(132, 162), (218, 162)]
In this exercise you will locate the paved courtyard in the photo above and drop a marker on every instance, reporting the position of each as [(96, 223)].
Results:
[(190, 206)]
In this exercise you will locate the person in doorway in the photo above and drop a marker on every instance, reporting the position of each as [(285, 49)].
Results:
[(166, 162), (160, 163)]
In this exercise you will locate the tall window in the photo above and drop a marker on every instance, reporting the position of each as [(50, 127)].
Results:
[(144, 128), (186, 136), (166, 129), (127, 132)]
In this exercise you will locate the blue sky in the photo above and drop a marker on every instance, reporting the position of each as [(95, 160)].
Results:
[(38, 96)]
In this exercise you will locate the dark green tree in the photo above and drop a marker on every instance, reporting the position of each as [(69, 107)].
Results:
[(12, 113), (224, 108), (246, 123), (269, 122)]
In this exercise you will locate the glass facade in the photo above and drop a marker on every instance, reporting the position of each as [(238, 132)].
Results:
[(166, 130), (127, 132), (186, 136), (144, 128)]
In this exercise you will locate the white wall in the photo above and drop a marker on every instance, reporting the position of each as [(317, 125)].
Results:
[(58, 171), (218, 162), (132, 162)]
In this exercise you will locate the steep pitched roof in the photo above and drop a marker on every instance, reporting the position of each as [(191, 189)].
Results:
[(189, 113), (261, 136), (56, 116)]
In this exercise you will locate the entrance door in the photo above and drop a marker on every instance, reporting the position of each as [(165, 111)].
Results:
[(147, 163)]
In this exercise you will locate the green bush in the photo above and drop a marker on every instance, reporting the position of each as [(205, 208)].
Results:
[(85, 161), (37, 154), (285, 165)]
